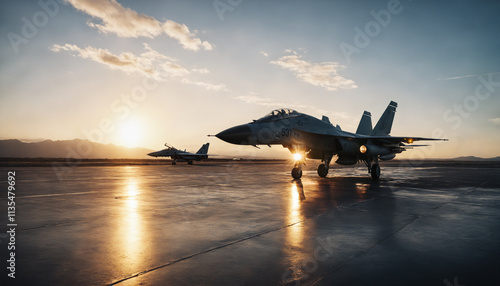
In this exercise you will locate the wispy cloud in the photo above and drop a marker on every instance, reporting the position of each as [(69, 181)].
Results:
[(127, 23), (150, 63), (495, 120), (253, 99), (202, 70), (324, 74), (206, 85), (466, 76)]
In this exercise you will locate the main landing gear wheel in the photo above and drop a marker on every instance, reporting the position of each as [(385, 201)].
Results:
[(190, 162), (322, 170), (375, 172), (296, 173), (173, 163)]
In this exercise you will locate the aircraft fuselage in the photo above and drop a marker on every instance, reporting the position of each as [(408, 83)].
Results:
[(285, 130), (308, 137)]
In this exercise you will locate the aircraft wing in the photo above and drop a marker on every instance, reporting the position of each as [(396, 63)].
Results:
[(398, 139), (190, 156), (329, 140), (334, 134), (176, 154)]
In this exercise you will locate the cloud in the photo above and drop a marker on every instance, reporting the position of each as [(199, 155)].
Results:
[(127, 23), (323, 74), (495, 120), (150, 63), (252, 99), (202, 70), (206, 85), (466, 76)]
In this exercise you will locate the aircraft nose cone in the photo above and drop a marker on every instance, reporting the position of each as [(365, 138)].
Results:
[(237, 135), (161, 153), (153, 154)]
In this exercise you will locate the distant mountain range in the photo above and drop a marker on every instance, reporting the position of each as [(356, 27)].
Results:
[(472, 158), (79, 149), (84, 149)]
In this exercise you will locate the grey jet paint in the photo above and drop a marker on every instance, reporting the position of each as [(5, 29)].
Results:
[(182, 156), (308, 137)]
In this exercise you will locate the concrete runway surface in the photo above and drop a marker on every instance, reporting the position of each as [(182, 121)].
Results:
[(249, 223)]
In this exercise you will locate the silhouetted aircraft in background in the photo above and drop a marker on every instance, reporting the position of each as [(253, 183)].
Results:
[(182, 156), (308, 137)]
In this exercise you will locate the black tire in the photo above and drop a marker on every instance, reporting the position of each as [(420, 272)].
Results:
[(296, 173), (322, 170), (190, 162), (173, 163), (375, 172)]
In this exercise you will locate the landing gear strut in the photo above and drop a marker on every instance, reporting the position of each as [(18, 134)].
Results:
[(374, 169), (300, 159), (323, 168), (375, 172)]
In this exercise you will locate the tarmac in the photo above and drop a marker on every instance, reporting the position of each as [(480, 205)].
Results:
[(249, 223)]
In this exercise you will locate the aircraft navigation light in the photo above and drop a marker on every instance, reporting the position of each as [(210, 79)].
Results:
[(297, 156), (362, 149), (409, 140)]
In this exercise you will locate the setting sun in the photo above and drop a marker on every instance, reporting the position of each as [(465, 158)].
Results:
[(130, 133)]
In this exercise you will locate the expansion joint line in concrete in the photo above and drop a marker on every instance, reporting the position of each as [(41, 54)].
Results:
[(204, 251), (369, 248)]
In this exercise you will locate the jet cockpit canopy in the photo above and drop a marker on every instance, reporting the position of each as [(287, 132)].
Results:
[(278, 114), (169, 147)]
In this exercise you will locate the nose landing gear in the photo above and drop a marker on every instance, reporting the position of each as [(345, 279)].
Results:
[(297, 172), (300, 159)]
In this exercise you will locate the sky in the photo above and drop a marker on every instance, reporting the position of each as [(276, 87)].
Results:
[(143, 73)]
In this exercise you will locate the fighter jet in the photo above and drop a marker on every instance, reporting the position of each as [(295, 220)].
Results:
[(308, 137), (182, 156)]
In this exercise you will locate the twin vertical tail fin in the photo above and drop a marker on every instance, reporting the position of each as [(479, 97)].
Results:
[(384, 124), (365, 124), (204, 149)]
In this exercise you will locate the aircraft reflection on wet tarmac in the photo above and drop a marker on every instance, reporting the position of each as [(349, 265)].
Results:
[(244, 222), (305, 256)]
